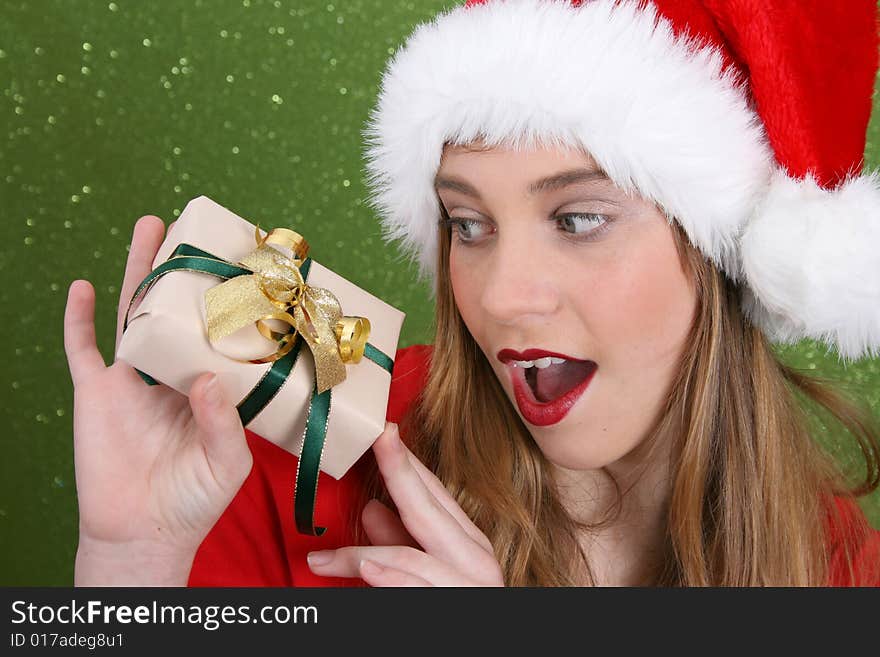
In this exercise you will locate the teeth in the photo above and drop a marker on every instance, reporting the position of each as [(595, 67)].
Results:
[(540, 363)]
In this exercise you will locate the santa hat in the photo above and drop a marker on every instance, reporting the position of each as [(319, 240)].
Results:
[(744, 120)]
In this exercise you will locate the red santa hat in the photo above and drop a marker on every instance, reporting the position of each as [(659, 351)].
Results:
[(744, 120)]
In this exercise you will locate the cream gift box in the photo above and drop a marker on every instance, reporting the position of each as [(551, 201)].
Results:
[(167, 338)]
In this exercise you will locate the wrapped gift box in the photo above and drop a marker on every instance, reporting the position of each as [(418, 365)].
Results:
[(167, 339)]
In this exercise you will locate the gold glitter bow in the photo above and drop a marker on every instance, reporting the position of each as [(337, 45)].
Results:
[(277, 290)]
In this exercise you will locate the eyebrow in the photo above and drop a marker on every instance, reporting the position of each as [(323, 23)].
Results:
[(550, 183)]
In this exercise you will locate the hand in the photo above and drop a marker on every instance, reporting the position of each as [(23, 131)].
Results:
[(154, 469), (431, 543)]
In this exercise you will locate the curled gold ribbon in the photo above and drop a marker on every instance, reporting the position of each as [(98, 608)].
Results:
[(277, 290)]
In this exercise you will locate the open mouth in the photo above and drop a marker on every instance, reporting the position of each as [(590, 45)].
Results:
[(546, 385), (555, 379)]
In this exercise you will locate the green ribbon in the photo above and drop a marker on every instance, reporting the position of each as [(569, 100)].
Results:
[(190, 258)]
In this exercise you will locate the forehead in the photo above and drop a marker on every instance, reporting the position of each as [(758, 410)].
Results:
[(537, 169), (540, 155)]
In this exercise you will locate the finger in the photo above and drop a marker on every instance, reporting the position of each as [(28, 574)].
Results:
[(439, 491), (376, 574), (83, 357), (221, 432), (383, 526), (422, 514), (346, 562), (147, 237)]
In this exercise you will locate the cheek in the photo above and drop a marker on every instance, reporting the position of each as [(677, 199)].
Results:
[(640, 310), (467, 291)]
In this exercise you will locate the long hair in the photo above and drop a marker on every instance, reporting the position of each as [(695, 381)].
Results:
[(753, 493)]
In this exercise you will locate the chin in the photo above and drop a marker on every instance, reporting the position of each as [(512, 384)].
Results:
[(580, 452)]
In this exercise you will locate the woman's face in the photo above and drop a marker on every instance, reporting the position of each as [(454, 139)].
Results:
[(554, 266)]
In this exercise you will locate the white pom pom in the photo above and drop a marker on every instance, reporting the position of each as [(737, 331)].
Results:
[(811, 257)]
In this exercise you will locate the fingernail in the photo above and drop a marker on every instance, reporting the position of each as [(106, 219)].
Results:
[(396, 445), (212, 391), (321, 558)]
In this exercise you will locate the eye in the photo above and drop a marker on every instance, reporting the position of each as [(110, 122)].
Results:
[(581, 224), (468, 230)]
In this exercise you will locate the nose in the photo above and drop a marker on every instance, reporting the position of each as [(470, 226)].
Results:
[(519, 284)]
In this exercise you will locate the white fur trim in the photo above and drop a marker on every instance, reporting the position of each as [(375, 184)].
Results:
[(811, 258), (654, 111)]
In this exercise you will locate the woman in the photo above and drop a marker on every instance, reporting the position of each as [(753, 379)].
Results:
[(632, 198)]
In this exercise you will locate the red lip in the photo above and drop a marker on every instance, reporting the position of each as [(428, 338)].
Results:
[(541, 414), (507, 355)]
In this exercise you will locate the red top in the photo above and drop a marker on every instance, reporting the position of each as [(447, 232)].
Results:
[(255, 543)]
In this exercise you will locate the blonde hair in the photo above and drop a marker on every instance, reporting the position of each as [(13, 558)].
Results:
[(752, 498)]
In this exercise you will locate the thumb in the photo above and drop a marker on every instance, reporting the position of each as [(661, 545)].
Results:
[(220, 431)]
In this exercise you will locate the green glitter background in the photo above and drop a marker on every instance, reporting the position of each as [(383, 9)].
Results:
[(116, 110)]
